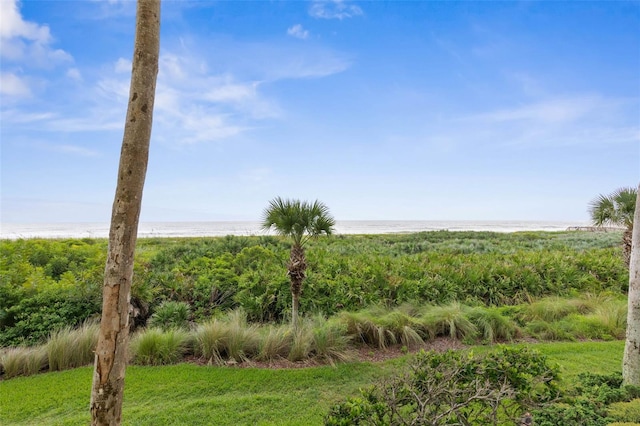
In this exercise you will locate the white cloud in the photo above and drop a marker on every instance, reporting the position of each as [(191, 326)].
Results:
[(298, 32), (74, 74), (13, 26), (26, 41), (122, 66), (13, 86), (334, 9)]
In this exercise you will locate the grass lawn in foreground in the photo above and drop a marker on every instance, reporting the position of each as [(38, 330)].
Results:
[(187, 394)]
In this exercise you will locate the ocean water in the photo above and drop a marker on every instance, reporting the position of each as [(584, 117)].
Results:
[(215, 229)]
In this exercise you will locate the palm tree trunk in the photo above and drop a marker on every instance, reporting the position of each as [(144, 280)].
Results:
[(111, 350), (626, 245), (297, 267), (631, 360)]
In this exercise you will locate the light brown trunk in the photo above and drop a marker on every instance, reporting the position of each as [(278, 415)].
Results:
[(297, 273), (631, 360), (111, 350)]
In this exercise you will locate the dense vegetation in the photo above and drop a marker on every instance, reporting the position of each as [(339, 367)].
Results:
[(48, 284)]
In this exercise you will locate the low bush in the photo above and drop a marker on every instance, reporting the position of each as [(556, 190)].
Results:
[(455, 388), (625, 411), (171, 314), (591, 401)]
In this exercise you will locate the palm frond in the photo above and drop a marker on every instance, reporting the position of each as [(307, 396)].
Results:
[(615, 209), (297, 219)]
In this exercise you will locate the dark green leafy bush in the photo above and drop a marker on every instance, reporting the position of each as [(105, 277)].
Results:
[(455, 388)]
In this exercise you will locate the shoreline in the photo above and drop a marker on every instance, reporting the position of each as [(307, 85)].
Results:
[(15, 231)]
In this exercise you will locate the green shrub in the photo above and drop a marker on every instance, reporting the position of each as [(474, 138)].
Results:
[(625, 411), (170, 315), (577, 413), (454, 388)]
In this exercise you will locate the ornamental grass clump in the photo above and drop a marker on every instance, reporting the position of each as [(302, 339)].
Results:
[(275, 342), (302, 341), (449, 320), (155, 346), (330, 341), (363, 326), (70, 348), (211, 340), (549, 309), (242, 340), (22, 361), (492, 326)]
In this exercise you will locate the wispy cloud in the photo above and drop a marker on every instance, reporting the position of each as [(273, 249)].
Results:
[(298, 31), (549, 112), (74, 74), (579, 120), (75, 150), (14, 86), (334, 9)]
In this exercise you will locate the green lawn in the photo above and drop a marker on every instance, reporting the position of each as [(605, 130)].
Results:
[(191, 395)]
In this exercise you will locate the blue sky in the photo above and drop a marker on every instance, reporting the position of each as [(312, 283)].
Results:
[(382, 110)]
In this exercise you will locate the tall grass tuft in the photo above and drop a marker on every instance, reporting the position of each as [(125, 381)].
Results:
[(211, 341), (550, 309), (22, 361), (243, 340), (492, 326), (158, 347), (544, 330), (449, 320), (403, 326), (275, 342), (71, 348), (364, 327), (302, 342), (330, 341)]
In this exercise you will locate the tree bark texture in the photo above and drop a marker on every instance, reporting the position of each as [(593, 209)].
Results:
[(627, 238), (297, 273), (111, 350), (631, 360)]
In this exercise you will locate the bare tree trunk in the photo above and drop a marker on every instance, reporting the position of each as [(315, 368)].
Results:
[(111, 350), (631, 361)]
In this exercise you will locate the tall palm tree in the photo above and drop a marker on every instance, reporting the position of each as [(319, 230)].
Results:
[(616, 209), (300, 221)]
